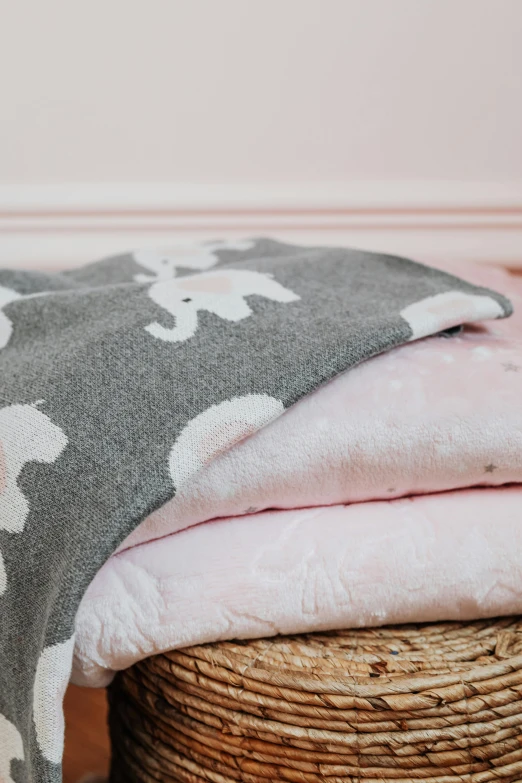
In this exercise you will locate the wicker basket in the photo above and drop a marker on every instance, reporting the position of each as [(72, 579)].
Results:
[(438, 703)]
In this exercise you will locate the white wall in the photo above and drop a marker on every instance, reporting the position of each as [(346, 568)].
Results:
[(263, 92)]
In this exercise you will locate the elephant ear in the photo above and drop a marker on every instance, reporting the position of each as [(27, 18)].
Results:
[(207, 284)]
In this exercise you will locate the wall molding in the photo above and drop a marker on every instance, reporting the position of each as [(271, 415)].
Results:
[(53, 225)]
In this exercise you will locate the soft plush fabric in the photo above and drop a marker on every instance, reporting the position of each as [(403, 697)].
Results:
[(450, 556), (433, 415), (116, 389)]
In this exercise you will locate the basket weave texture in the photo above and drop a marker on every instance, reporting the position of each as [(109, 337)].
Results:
[(437, 703)]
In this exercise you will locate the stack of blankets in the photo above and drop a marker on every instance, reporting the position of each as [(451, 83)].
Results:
[(242, 439), (389, 495)]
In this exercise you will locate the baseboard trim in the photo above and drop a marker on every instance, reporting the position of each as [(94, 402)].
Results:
[(70, 224)]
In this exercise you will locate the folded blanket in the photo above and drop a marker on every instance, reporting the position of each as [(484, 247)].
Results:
[(451, 556), (433, 415), (116, 390)]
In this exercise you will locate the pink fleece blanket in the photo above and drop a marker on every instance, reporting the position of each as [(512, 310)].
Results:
[(450, 556), (436, 415)]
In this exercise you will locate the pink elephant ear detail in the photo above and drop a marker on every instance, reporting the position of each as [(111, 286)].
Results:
[(211, 284), (3, 470)]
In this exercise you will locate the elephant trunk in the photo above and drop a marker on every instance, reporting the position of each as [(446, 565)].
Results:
[(186, 325)]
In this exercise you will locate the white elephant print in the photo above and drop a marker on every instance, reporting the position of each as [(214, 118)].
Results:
[(452, 308), (221, 292), (216, 430), (11, 749), (7, 295), (164, 262), (52, 677), (26, 435)]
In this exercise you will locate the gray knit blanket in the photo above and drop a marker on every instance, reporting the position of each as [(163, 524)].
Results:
[(104, 368)]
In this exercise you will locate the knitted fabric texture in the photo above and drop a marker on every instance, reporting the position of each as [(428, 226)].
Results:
[(121, 379)]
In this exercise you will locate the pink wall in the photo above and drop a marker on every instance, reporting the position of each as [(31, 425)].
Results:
[(260, 90)]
